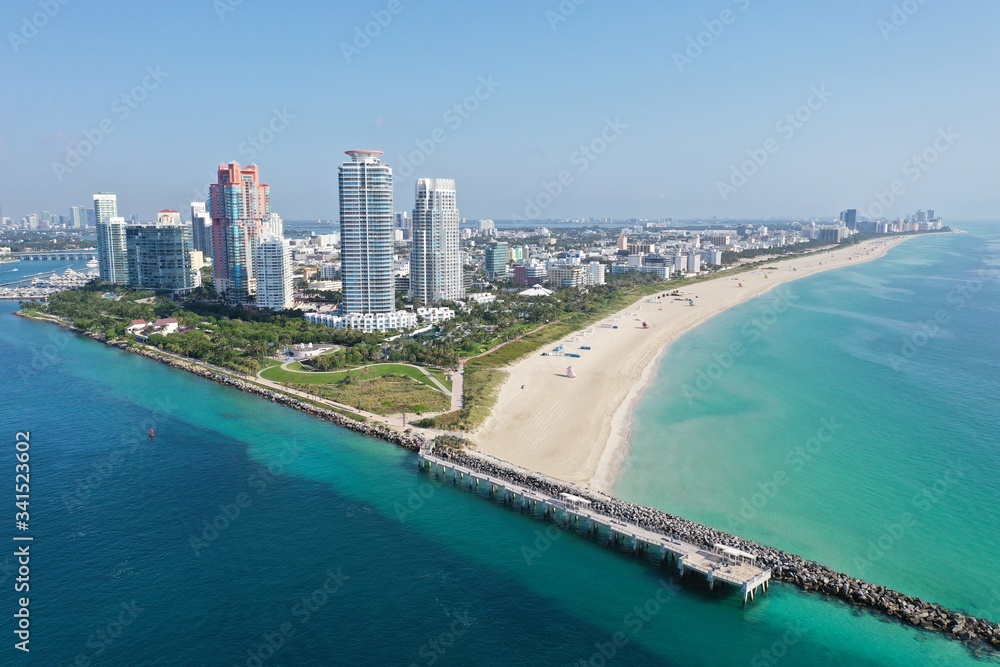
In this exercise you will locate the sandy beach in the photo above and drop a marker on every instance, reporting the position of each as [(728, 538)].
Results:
[(577, 429)]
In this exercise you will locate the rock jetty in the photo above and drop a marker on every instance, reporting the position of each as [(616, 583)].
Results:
[(978, 633)]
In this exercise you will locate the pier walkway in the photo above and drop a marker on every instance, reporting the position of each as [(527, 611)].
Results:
[(719, 565), (82, 255)]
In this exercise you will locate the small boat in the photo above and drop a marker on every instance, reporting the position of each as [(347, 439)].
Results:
[(152, 433)]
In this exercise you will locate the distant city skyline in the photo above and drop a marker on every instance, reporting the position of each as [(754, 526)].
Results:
[(740, 110)]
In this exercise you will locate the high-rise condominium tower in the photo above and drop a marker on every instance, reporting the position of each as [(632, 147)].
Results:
[(240, 203), (111, 252), (201, 228), (274, 275), (366, 234), (435, 260), (159, 257), (78, 217), (105, 207)]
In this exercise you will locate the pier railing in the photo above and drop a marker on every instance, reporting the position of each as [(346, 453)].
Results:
[(716, 566)]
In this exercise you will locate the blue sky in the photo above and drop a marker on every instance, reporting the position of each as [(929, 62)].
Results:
[(667, 137)]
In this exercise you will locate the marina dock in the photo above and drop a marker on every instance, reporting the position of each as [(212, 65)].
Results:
[(721, 564)]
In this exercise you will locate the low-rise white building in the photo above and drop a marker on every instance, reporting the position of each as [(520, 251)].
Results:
[(367, 322), (482, 297), (166, 326), (435, 315)]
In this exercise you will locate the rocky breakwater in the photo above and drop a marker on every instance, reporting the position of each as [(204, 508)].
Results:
[(372, 429), (978, 633), (409, 441)]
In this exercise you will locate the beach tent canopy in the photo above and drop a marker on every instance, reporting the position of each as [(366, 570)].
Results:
[(577, 500), (537, 290), (735, 553)]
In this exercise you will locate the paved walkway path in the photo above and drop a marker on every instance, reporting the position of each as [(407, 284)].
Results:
[(458, 388)]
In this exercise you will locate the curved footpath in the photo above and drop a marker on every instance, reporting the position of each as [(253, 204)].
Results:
[(807, 575), (286, 367)]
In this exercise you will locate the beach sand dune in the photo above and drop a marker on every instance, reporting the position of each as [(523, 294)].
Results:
[(577, 429)]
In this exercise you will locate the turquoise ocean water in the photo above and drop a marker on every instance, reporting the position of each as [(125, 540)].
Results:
[(250, 534)]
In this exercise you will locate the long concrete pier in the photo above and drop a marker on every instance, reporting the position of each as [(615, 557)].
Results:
[(81, 255), (722, 564)]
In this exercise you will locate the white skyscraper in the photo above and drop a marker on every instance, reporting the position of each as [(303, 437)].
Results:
[(201, 228), (275, 289), (435, 260), (111, 250), (105, 207), (78, 217), (366, 234), (274, 226)]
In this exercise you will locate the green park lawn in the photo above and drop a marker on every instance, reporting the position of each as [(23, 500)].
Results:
[(277, 374)]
